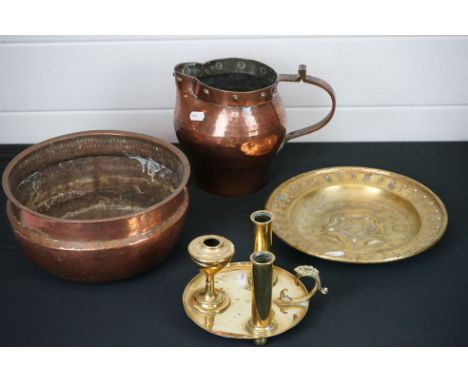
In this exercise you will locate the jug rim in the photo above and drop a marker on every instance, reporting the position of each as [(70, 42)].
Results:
[(189, 78)]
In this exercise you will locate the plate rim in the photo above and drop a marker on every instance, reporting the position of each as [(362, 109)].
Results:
[(420, 249)]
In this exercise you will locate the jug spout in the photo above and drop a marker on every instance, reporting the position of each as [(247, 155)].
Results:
[(262, 322), (188, 69), (262, 235)]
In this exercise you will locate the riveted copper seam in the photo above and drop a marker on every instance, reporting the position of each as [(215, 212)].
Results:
[(235, 133)]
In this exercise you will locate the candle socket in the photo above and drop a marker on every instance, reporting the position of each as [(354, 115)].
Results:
[(262, 322), (262, 236), (211, 253)]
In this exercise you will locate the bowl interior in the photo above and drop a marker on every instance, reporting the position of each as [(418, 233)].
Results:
[(96, 176)]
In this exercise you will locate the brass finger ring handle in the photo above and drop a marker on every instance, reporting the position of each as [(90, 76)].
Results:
[(302, 76), (302, 271)]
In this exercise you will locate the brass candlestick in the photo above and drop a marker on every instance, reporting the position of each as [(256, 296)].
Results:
[(261, 323), (252, 300), (262, 237), (211, 253)]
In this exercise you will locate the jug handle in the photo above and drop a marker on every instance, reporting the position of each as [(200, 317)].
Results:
[(302, 76)]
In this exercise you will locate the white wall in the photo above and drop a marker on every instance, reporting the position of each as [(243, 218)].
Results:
[(388, 88)]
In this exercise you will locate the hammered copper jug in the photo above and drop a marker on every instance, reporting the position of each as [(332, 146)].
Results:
[(230, 121)]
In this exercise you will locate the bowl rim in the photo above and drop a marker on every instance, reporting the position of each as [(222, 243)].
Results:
[(28, 151)]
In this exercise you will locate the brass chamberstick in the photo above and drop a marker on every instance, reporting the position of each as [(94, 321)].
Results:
[(233, 321)]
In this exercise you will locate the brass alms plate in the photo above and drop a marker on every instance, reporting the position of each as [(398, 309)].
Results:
[(233, 321), (357, 215)]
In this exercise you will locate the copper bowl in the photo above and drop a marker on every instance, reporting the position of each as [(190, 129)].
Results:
[(97, 205)]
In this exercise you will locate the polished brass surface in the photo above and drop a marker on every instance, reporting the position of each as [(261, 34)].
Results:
[(262, 230), (211, 253), (230, 120), (254, 300), (357, 215), (97, 205), (262, 321), (233, 321), (303, 271), (262, 235)]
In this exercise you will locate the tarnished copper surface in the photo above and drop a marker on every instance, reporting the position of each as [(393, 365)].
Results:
[(230, 121), (97, 205)]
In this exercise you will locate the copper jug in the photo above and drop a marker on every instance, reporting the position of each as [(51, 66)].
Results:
[(230, 121)]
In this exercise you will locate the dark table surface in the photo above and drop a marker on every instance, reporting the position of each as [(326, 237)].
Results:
[(421, 301)]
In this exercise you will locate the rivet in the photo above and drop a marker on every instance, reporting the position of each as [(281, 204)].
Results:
[(206, 91), (235, 97), (179, 79), (263, 94)]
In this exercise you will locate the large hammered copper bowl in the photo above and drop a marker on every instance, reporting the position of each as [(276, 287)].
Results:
[(98, 205)]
